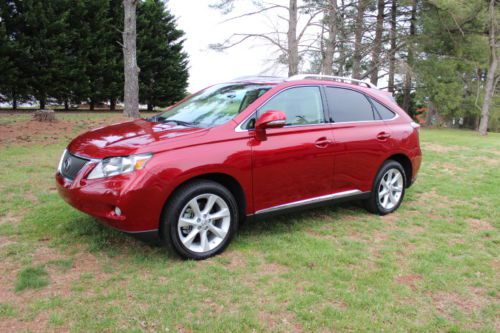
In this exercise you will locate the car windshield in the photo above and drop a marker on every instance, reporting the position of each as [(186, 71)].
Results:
[(213, 106)]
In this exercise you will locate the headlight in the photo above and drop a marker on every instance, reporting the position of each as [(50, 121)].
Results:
[(117, 165)]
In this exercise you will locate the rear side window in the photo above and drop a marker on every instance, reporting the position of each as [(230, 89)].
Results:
[(348, 105), (383, 111), (302, 105)]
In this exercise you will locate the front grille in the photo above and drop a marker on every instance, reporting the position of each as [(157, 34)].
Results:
[(71, 165)]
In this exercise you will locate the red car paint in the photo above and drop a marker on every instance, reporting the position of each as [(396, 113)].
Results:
[(291, 164)]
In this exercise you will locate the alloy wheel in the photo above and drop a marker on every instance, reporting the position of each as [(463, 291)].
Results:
[(390, 189), (204, 223)]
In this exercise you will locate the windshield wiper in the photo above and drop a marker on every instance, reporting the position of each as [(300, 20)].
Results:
[(178, 122)]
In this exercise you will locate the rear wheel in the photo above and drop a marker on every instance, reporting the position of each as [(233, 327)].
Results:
[(200, 219), (388, 189)]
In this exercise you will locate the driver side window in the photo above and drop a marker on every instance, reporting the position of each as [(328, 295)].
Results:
[(302, 106)]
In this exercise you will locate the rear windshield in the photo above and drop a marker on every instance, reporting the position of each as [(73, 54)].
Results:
[(215, 105)]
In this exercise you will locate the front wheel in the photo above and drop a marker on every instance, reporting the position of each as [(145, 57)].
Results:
[(388, 189), (200, 219)]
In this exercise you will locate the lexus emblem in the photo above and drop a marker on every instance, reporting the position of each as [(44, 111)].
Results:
[(66, 165)]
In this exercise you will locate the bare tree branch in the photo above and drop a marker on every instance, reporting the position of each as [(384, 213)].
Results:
[(226, 44), (307, 25), (254, 12)]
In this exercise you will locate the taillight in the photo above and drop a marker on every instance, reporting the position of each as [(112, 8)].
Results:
[(415, 126)]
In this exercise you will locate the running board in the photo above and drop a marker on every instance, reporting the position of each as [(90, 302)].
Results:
[(339, 196)]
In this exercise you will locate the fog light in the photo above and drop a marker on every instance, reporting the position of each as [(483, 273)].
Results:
[(118, 211)]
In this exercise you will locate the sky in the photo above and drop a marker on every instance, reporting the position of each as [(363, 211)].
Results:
[(203, 26)]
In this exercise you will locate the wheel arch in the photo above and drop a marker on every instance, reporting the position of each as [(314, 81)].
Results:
[(226, 180), (406, 164)]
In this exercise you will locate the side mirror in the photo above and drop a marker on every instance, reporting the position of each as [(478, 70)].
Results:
[(271, 119)]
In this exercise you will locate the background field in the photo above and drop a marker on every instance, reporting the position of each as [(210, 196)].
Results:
[(432, 266)]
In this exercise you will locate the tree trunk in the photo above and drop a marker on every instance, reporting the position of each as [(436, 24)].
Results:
[(358, 37), (14, 101), (410, 60), (490, 78), (329, 50), (131, 71), (92, 105), (112, 104), (150, 107), (293, 45), (42, 103), (392, 38), (44, 115), (377, 43), (342, 36), (430, 114), (66, 105)]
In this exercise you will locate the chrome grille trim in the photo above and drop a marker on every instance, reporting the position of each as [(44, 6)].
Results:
[(71, 165)]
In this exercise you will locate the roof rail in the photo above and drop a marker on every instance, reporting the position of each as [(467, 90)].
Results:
[(259, 78), (332, 78)]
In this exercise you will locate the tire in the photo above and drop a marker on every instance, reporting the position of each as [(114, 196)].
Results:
[(194, 230), (382, 202)]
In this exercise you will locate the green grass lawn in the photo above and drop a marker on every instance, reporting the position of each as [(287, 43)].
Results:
[(432, 266)]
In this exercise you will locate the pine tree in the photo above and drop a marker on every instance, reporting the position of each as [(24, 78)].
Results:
[(13, 83), (453, 51), (113, 78), (162, 62), (43, 37), (99, 54)]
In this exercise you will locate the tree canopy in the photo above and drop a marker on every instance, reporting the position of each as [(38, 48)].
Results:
[(435, 54), (70, 51)]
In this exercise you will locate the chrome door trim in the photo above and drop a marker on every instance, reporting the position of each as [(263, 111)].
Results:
[(322, 198)]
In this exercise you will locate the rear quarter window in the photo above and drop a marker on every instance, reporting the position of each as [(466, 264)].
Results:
[(383, 111)]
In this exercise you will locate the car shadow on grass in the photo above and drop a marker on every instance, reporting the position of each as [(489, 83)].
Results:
[(300, 220), (63, 226)]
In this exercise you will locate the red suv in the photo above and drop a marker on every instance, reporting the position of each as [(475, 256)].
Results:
[(247, 148)]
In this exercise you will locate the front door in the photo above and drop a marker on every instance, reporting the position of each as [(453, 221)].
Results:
[(295, 162)]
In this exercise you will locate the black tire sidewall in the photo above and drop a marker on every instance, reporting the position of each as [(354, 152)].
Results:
[(177, 202), (390, 164)]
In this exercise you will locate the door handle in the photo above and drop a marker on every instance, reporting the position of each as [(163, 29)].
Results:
[(323, 142), (383, 136)]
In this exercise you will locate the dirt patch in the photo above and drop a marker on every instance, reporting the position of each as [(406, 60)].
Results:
[(282, 321), (213, 306), (439, 148), (479, 225), (317, 234), (10, 218), (495, 264), (60, 285), (38, 324), (337, 304), (446, 302), (272, 268), (488, 161), (415, 230), (434, 202), (409, 280), (182, 329), (31, 131), (234, 259), (451, 168)]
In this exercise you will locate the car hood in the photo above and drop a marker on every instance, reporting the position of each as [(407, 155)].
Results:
[(128, 138)]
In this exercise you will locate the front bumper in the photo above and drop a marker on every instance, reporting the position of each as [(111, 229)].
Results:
[(138, 195)]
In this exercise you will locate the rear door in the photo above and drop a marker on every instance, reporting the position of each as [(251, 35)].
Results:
[(295, 162), (361, 139)]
